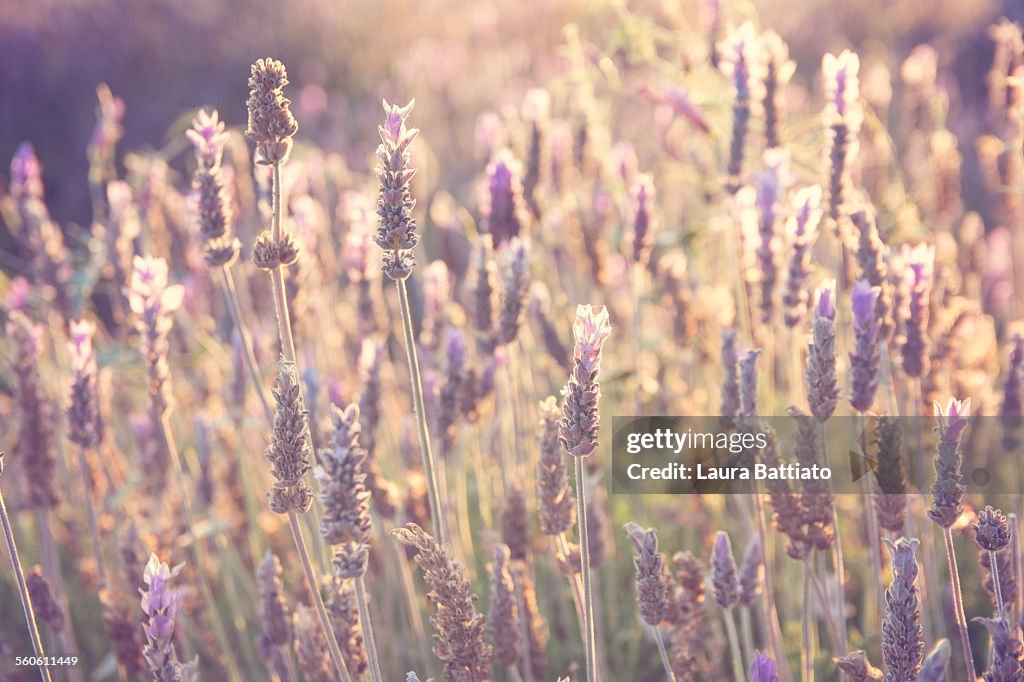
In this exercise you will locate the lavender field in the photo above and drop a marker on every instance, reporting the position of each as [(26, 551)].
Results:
[(318, 324)]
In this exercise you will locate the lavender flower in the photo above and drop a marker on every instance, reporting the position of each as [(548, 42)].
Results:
[(768, 187), (212, 202), (843, 118), (1008, 652), (396, 231), (578, 430), (271, 124), (346, 500), (864, 359), (555, 497), (154, 301), (739, 62), (643, 196), (34, 444), (160, 603), (450, 398), (724, 578), (504, 213), (822, 391), (653, 587), (778, 69), (84, 421), (991, 532), (275, 621), (731, 382), (920, 262), (802, 230), (902, 634), (933, 668), (763, 669), (503, 616), (948, 489), (891, 504), (515, 278), (872, 255), (290, 448)]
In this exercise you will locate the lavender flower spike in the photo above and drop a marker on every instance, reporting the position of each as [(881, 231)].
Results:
[(724, 575), (864, 360), (154, 301), (84, 424), (920, 264), (505, 215), (822, 393), (160, 603), (396, 233), (902, 634), (763, 669), (579, 426), (802, 230)]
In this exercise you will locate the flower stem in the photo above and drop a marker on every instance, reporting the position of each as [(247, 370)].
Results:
[(837, 557), (371, 642), (664, 654), (997, 589), (734, 646), (317, 598), (235, 307), (806, 657), (958, 605), (429, 465), (588, 597), (768, 594), (26, 602), (90, 516)]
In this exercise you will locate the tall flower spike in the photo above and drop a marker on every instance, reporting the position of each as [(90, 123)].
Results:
[(920, 262), (213, 206), (84, 422), (396, 231), (289, 451), (763, 669), (778, 69), (578, 429), (346, 500), (154, 302), (503, 617), (948, 489), (460, 640), (822, 380), (555, 498), (724, 578), (34, 444), (643, 197), (504, 212), (843, 118), (271, 124), (739, 62), (891, 504), (864, 360), (731, 382), (160, 604), (802, 232), (515, 279), (872, 254), (768, 184), (653, 589), (902, 634), (275, 621)]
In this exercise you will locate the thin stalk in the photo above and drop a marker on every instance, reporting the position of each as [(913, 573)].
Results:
[(235, 308), (830, 621), (958, 605), (575, 582), (996, 587), (26, 602), (806, 658), (874, 536), (746, 636), (525, 661), (768, 594), (219, 632), (90, 516), (364, 618), (663, 654), (734, 646), (588, 597), (429, 465), (837, 555), (317, 598), (1015, 552)]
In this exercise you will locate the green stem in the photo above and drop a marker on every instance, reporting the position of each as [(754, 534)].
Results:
[(837, 556), (997, 589), (317, 598), (958, 605), (26, 602), (588, 599), (429, 465), (371, 642), (90, 516), (235, 307), (734, 646), (663, 654)]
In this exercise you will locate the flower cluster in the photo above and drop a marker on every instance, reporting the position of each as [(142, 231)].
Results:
[(396, 231), (578, 429)]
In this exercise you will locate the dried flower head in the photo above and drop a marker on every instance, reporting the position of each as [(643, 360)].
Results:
[(271, 124), (34, 445), (1007, 650), (290, 449), (653, 586), (460, 640), (822, 380), (503, 617), (343, 492), (396, 231), (724, 577), (751, 572), (578, 429), (731, 382), (310, 653), (991, 532)]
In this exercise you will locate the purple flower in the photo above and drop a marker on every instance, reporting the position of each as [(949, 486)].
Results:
[(826, 295), (394, 130), (26, 174), (952, 419), (208, 136), (763, 669), (842, 89), (862, 300), (504, 184), (578, 429), (160, 603)]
